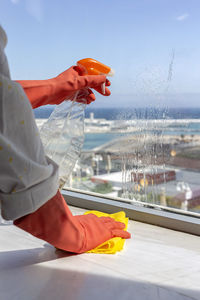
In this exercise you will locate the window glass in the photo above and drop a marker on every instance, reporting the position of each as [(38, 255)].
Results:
[(142, 143)]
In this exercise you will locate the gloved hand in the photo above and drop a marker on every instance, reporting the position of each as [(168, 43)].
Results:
[(54, 223), (63, 87)]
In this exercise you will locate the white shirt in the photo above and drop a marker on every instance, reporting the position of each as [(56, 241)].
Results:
[(28, 178)]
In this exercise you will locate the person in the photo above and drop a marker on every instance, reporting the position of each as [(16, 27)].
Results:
[(29, 192)]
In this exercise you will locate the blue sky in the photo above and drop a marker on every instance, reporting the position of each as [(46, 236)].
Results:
[(135, 37)]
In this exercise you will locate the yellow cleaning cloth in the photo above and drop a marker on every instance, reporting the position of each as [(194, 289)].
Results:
[(115, 244)]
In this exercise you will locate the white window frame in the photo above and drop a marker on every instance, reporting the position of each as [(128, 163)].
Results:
[(167, 217)]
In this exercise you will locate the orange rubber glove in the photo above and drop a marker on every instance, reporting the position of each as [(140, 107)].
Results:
[(64, 87), (55, 224)]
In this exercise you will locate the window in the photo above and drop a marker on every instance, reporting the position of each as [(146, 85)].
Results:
[(142, 144)]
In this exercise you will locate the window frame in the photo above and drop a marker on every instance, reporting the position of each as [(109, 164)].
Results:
[(166, 217)]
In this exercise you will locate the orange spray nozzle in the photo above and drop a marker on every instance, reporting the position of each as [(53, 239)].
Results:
[(93, 67)]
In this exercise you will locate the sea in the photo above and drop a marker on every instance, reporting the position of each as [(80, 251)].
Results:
[(175, 121)]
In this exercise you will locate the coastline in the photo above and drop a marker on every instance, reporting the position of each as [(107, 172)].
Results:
[(102, 133), (128, 126)]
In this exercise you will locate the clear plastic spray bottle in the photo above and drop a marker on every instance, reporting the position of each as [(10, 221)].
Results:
[(63, 133)]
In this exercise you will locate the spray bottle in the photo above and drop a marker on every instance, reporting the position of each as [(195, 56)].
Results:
[(63, 133)]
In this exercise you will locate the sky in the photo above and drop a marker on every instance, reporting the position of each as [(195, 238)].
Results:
[(153, 45)]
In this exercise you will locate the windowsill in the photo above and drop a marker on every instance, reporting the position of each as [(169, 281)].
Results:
[(157, 263), (167, 217)]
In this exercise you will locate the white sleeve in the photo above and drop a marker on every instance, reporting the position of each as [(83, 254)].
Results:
[(28, 179)]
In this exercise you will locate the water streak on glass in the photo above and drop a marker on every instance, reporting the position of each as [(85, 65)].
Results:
[(142, 165)]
